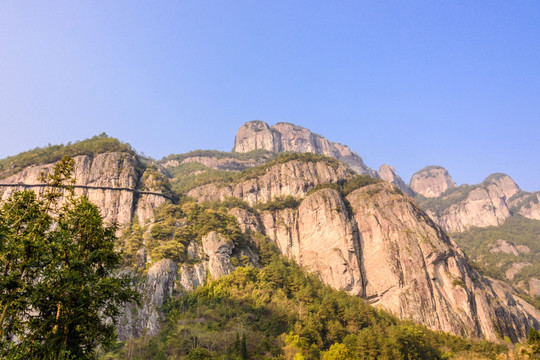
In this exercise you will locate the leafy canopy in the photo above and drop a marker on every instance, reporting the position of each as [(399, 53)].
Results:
[(59, 297)]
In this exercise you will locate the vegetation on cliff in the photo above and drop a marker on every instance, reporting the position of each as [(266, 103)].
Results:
[(96, 145), (59, 297), (480, 244), (281, 312)]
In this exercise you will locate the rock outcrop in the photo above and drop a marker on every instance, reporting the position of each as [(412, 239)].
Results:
[(480, 205), (109, 180), (528, 205), (210, 258), (388, 173), (415, 271), (321, 237), (293, 178), (390, 252), (431, 181), (229, 164), (157, 287), (284, 137)]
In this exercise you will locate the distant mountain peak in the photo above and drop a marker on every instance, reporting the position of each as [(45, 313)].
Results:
[(283, 137)]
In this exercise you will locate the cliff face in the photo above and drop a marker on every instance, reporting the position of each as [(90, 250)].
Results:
[(109, 180), (283, 137), (388, 173), (211, 258), (390, 252), (487, 204), (294, 178), (414, 270), (431, 181), (321, 237)]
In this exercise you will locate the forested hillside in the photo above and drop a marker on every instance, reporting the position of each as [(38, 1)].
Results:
[(509, 252)]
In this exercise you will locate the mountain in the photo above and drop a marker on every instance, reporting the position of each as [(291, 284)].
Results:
[(285, 137), (459, 208), (187, 219)]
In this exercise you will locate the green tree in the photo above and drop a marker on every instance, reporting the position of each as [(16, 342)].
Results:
[(59, 294)]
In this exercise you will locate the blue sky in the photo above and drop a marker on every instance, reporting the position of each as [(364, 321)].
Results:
[(408, 83)]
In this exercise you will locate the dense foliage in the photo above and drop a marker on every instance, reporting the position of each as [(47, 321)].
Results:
[(175, 226), (479, 243), (281, 312), (52, 153), (348, 186), (58, 296)]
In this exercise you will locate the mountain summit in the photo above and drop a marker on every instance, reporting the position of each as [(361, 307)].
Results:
[(285, 137)]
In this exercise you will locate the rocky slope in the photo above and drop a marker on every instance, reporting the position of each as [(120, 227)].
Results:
[(458, 209), (371, 241), (388, 173), (211, 258), (109, 180), (284, 137), (388, 251), (293, 178)]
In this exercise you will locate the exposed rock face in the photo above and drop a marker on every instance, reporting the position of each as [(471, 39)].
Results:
[(432, 181), (388, 173), (247, 221), (105, 174), (481, 208), (487, 204), (393, 254), (515, 269), (504, 247), (282, 137), (230, 164), (502, 185), (414, 270), (158, 286), (534, 287), (212, 257), (219, 250), (320, 236), (478, 205), (531, 208), (294, 178)]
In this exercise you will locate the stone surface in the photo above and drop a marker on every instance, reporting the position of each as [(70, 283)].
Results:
[(107, 170), (247, 221), (431, 181), (219, 250), (229, 164), (145, 320), (515, 269), (320, 236), (531, 209), (504, 247), (390, 252), (284, 137), (388, 173), (534, 287), (293, 178)]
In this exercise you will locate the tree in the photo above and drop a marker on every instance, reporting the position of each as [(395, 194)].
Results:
[(60, 295)]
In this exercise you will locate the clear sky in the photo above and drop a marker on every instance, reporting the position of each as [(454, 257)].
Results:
[(408, 83)]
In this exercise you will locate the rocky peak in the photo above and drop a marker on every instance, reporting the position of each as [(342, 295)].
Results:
[(503, 184), (388, 173), (284, 137), (431, 181), (255, 135)]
